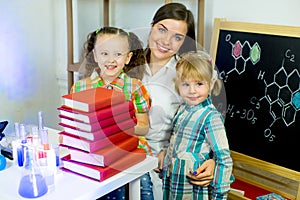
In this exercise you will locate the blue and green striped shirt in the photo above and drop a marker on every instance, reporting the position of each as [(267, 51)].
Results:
[(197, 131)]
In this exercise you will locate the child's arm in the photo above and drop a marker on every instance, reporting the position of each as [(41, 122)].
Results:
[(142, 126), (142, 101), (216, 137)]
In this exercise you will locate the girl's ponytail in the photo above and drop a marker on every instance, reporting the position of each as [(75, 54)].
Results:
[(136, 67)]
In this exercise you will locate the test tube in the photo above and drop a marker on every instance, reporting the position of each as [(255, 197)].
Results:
[(16, 143), (44, 137), (41, 121), (20, 150), (17, 130), (35, 136), (23, 133)]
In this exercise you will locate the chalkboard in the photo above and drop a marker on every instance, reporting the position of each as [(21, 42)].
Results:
[(260, 69)]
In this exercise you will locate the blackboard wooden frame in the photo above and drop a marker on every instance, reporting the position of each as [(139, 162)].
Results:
[(239, 157)]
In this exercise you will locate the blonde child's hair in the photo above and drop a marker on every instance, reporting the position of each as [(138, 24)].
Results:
[(197, 66)]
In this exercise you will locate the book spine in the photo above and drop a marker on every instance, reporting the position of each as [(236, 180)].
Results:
[(104, 173), (112, 140), (105, 156), (125, 107), (92, 127), (111, 156), (92, 146), (106, 131), (115, 99), (131, 159)]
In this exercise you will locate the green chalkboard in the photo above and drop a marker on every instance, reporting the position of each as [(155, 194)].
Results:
[(261, 75)]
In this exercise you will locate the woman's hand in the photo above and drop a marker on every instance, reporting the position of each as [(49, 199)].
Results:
[(204, 174)]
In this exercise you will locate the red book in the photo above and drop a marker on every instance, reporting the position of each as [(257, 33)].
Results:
[(107, 155), (77, 142), (101, 133), (97, 115), (101, 173), (91, 127), (93, 99)]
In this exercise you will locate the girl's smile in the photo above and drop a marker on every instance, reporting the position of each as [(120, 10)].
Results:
[(111, 53), (193, 92)]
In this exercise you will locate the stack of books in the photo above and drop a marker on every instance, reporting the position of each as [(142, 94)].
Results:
[(98, 130)]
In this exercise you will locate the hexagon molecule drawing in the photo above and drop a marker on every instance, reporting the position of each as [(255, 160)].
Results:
[(283, 95), (242, 53)]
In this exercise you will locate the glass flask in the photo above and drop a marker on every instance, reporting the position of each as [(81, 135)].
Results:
[(32, 183)]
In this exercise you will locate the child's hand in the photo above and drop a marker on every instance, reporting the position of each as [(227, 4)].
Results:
[(204, 174), (161, 157)]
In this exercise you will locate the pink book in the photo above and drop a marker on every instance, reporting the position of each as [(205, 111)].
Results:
[(77, 142), (92, 117), (93, 99), (100, 133), (91, 127), (107, 155), (101, 173)]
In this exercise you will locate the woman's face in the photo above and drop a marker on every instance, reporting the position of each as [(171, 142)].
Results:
[(166, 38)]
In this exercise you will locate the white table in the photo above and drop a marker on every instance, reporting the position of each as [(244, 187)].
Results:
[(72, 186)]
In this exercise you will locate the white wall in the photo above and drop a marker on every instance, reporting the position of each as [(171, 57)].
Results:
[(257, 11), (136, 15), (32, 52), (33, 45)]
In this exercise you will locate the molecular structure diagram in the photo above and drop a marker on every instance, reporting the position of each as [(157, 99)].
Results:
[(283, 95), (242, 53)]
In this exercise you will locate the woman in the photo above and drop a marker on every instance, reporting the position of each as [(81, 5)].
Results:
[(172, 33)]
